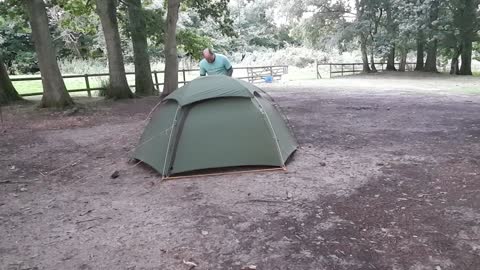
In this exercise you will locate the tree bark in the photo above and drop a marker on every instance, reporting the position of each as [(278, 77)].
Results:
[(171, 61), (420, 54), (391, 33), (468, 29), (138, 29), (431, 63), (54, 91), (454, 64), (118, 85), (391, 59), (466, 68), (372, 62), (359, 6), (373, 32), (403, 61), (7, 91), (363, 45)]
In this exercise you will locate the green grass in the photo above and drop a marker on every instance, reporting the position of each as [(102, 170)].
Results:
[(35, 86), (28, 87), (294, 74), (467, 90), (298, 74)]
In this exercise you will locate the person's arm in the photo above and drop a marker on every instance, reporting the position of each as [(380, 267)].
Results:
[(230, 71), (203, 71), (228, 67)]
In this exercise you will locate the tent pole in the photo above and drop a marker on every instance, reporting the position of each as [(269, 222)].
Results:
[(170, 138), (269, 123)]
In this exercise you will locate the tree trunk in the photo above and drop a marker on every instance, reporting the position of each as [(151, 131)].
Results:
[(372, 46), (366, 68), (138, 29), (431, 63), (466, 68), (363, 38), (403, 61), (363, 45), (420, 54), (118, 85), (372, 62), (391, 59), (7, 91), (468, 29), (454, 65), (54, 91), (171, 61), (391, 33)]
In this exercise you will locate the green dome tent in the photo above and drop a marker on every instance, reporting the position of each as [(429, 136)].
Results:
[(215, 122)]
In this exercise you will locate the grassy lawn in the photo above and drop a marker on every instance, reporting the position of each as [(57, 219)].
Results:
[(294, 74), (35, 86), (298, 74), (27, 87), (467, 90)]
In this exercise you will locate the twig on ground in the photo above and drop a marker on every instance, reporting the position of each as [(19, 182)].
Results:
[(66, 166), (13, 182), (86, 213), (262, 201), (88, 220)]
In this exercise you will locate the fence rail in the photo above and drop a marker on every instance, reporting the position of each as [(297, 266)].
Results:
[(255, 74), (258, 73), (354, 68)]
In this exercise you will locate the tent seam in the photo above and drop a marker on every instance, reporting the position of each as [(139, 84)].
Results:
[(169, 140), (273, 131)]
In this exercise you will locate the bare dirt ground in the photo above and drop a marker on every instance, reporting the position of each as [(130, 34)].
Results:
[(387, 177)]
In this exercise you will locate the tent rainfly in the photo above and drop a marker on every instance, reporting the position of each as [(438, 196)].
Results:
[(215, 122)]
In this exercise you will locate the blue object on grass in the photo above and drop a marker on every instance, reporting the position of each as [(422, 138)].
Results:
[(268, 79)]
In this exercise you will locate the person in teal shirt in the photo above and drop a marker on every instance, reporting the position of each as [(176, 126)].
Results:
[(215, 64)]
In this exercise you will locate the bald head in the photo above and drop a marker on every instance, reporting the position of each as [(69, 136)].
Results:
[(208, 55)]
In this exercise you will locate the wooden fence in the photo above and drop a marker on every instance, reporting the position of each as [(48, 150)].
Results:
[(341, 69), (254, 74), (259, 73)]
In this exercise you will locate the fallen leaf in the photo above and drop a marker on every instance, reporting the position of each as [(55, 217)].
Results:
[(191, 264)]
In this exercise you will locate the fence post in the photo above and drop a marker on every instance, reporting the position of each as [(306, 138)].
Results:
[(156, 81), (330, 70), (184, 78), (353, 69), (316, 67), (342, 69), (271, 71), (87, 84)]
